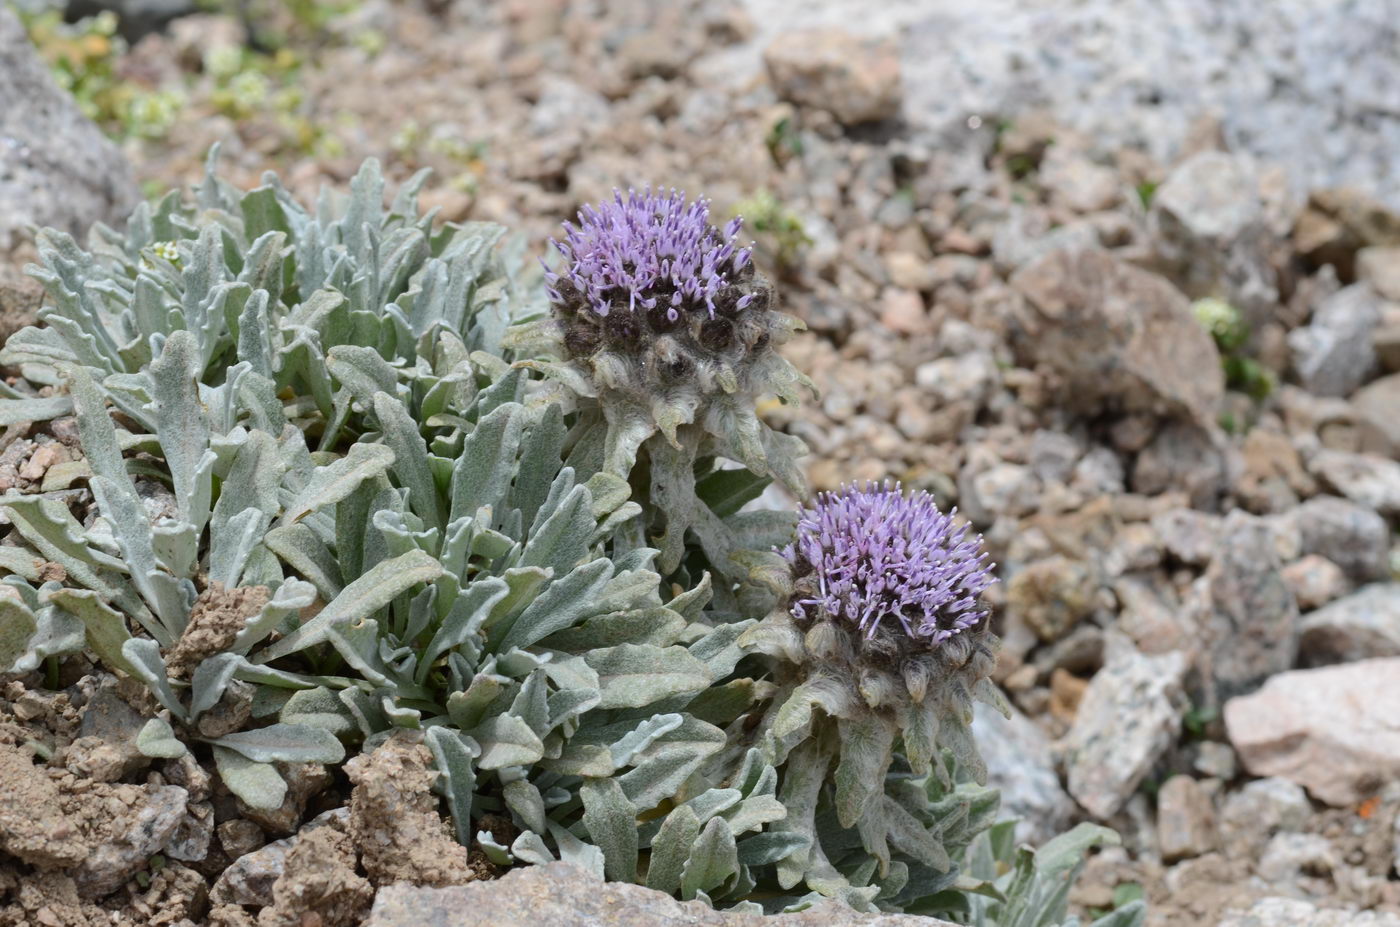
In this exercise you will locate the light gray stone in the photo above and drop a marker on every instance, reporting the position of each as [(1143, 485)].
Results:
[(147, 829), (1360, 626), (1368, 480), (1292, 912), (1208, 225), (1352, 536), (1331, 730), (1377, 406), (1264, 807), (1185, 819), (1020, 766), (1122, 337), (1252, 628), (1333, 354), (854, 78), (1128, 717), (56, 167), (249, 880), (562, 895)]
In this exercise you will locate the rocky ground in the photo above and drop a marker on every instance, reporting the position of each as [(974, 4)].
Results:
[(1143, 331)]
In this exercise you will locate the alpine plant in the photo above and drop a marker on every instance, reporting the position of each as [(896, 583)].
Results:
[(879, 645), (663, 320), (324, 496)]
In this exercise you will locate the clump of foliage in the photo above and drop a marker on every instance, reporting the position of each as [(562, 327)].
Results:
[(83, 58), (1231, 333), (779, 229), (338, 486)]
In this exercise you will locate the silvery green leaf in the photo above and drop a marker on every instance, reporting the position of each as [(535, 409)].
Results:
[(953, 733), (464, 619), (362, 371), (525, 801), (754, 812), (157, 739), (453, 754), (183, 426), (626, 748), (866, 742), (719, 650), (660, 768), (806, 772), (168, 597), (495, 852), (671, 848), (366, 595), (292, 596), (209, 681), (909, 836), (611, 821), (106, 628), (539, 460), (1066, 851), (333, 483), (17, 411), (531, 703), (530, 847), (285, 743), (467, 707), (50, 528), (143, 656), (719, 705), (17, 626), (713, 859), (769, 847), (559, 606), (562, 540), (410, 458), (247, 504), (575, 852), (259, 785), (506, 741), (633, 675), (484, 469), (319, 707), (658, 625), (301, 548)]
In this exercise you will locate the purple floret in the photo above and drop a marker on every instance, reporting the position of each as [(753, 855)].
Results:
[(880, 556), (649, 250)]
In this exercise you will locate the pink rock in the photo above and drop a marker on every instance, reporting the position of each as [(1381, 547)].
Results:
[(1333, 730)]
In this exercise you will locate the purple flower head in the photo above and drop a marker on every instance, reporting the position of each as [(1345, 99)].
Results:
[(648, 250), (879, 557)]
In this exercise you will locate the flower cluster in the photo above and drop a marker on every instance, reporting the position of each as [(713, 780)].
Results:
[(649, 250), (879, 556)]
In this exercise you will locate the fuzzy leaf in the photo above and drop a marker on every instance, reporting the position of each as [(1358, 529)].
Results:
[(357, 601), (453, 754), (633, 675), (484, 469), (333, 483), (611, 821), (157, 739), (507, 741), (285, 743), (17, 626), (713, 859), (259, 785), (106, 628), (671, 848), (560, 606), (143, 657), (865, 756)]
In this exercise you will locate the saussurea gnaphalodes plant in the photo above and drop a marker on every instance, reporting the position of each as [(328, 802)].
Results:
[(320, 416)]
